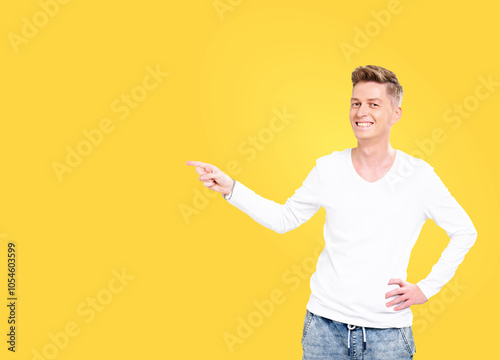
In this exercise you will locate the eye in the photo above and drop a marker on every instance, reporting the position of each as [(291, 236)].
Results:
[(355, 104), (374, 104)]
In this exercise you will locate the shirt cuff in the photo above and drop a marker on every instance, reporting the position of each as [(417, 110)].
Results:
[(228, 196), (425, 290)]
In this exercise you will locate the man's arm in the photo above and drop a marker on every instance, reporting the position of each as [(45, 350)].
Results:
[(447, 213), (297, 209), (439, 205)]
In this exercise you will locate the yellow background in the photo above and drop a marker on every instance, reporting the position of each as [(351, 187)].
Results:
[(122, 207)]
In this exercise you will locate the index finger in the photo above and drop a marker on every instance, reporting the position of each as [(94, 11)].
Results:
[(396, 281), (201, 167), (197, 163)]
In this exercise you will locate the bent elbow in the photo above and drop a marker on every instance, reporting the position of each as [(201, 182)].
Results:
[(472, 233), (474, 236), (285, 228), (280, 230)]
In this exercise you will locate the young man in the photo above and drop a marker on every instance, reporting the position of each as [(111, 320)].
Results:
[(376, 199)]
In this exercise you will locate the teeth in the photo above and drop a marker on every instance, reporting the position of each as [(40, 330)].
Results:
[(364, 124)]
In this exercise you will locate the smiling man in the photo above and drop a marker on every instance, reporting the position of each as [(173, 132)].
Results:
[(376, 199)]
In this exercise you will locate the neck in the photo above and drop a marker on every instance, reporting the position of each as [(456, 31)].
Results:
[(374, 153)]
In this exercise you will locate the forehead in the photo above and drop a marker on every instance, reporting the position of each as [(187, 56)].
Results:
[(369, 89)]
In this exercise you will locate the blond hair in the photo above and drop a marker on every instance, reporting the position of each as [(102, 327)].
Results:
[(380, 75)]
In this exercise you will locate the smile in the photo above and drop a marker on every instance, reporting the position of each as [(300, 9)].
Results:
[(364, 124)]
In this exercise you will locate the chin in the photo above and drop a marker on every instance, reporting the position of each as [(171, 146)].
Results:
[(363, 136)]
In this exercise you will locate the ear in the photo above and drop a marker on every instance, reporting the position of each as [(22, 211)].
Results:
[(398, 112)]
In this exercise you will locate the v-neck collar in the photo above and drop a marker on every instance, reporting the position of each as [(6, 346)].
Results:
[(370, 183)]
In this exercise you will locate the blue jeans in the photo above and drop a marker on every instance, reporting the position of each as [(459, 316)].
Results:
[(325, 339)]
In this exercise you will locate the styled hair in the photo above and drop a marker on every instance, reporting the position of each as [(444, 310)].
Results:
[(380, 75)]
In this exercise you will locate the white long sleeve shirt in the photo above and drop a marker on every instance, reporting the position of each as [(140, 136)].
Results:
[(370, 230)]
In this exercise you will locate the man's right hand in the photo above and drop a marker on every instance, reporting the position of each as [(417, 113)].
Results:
[(212, 177)]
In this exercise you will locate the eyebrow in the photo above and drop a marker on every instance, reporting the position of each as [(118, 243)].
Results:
[(371, 99)]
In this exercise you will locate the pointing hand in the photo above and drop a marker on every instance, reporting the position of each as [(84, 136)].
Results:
[(212, 177)]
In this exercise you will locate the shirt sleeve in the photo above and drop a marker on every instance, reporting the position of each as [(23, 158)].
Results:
[(297, 209), (447, 213)]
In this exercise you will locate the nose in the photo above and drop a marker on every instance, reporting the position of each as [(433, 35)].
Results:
[(362, 110)]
